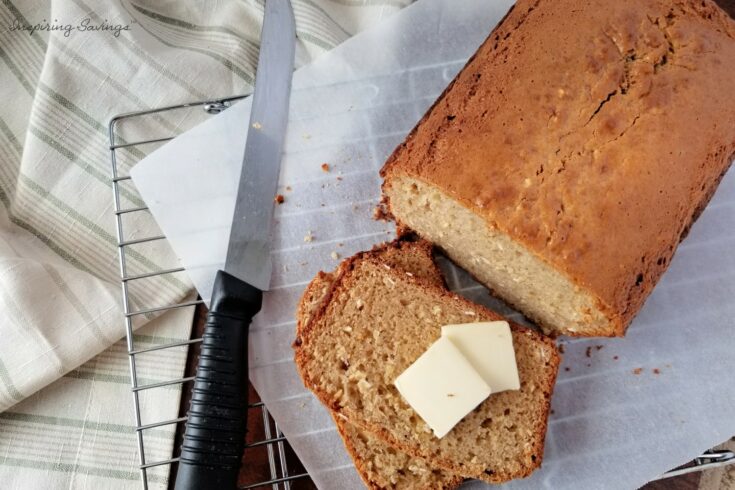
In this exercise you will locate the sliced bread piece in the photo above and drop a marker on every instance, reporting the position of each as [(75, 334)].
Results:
[(373, 324), (380, 465), (412, 256)]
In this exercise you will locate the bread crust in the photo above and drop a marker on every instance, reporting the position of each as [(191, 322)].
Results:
[(403, 242), (341, 424), (609, 173)]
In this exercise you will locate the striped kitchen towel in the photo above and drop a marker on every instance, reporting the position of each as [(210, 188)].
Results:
[(66, 67)]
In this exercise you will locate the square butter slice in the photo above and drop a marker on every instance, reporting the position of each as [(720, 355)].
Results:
[(488, 346), (442, 386)]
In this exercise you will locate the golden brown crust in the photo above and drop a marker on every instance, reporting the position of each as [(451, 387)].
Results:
[(320, 285), (532, 456), (312, 295), (362, 470), (595, 165)]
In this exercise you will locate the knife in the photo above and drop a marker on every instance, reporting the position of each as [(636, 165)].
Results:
[(214, 438)]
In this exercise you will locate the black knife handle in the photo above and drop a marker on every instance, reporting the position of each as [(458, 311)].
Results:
[(215, 429)]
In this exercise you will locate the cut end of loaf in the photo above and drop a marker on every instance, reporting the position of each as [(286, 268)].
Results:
[(509, 269)]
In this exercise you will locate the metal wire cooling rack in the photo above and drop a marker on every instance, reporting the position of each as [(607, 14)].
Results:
[(273, 439)]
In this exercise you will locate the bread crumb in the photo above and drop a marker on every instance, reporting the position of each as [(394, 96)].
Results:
[(309, 236), (306, 136), (561, 348), (257, 125), (599, 347), (544, 354), (339, 178), (567, 369), (588, 352), (637, 371), (279, 199), (325, 167), (340, 244), (450, 395), (380, 213), (334, 255), (615, 358), (288, 188), (364, 385), (656, 371)]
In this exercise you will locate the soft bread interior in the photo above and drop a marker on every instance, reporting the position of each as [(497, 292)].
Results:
[(376, 323), (380, 465), (511, 271), (413, 257), (385, 467)]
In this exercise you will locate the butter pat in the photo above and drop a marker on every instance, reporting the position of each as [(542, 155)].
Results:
[(488, 346), (442, 386)]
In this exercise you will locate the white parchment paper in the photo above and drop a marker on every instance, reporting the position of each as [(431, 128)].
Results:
[(610, 427)]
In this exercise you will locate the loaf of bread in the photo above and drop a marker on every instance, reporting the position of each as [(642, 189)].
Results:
[(571, 155), (376, 320), (380, 465)]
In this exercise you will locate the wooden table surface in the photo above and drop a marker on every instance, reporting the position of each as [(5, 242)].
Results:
[(257, 467)]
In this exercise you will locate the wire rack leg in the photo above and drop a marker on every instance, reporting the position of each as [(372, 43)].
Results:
[(269, 447), (282, 458), (126, 307)]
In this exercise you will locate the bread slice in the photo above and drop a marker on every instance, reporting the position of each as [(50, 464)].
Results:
[(374, 322), (561, 167), (380, 465), (407, 253)]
